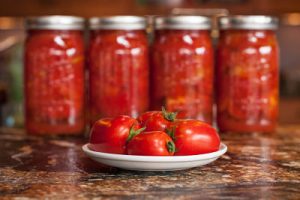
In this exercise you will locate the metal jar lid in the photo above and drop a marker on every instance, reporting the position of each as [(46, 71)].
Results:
[(55, 22), (248, 22), (183, 22), (118, 23)]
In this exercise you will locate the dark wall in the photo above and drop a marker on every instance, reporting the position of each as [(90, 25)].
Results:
[(89, 8)]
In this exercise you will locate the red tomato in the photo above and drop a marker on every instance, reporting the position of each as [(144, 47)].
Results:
[(110, 135), (152, 143), (157, 120), (193, 137)]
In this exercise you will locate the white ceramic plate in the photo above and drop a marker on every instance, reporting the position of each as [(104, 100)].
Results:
[(154, 163)]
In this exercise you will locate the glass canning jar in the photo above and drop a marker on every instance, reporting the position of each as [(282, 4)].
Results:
[(54, 75), (247, 74)]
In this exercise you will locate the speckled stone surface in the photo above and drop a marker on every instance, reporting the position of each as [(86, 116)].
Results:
[(256, 166)]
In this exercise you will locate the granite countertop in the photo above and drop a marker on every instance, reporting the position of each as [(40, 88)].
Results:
[(256, 166)]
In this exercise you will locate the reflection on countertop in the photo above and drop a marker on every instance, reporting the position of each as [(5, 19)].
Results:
[(264, 166)]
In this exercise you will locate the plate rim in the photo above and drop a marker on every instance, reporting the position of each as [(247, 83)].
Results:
[(122, 157)]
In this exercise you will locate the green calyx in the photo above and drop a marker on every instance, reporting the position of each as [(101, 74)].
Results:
[(171, 147), (170, 116), (133, 133), (171, 132)]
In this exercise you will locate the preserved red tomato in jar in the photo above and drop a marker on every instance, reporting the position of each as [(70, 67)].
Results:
[(118, 67), (182, 66), (54, 75), (247, 74)]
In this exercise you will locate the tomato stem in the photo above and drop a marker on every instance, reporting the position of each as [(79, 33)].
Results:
[(171, 147), (170, 116), (133, 133)]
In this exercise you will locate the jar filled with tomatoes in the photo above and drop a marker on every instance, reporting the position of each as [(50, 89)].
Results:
[(247, 74), (118, 67), (182, 66), (54, 75)]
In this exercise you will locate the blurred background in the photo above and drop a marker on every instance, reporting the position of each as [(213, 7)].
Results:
[(12, 35)]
